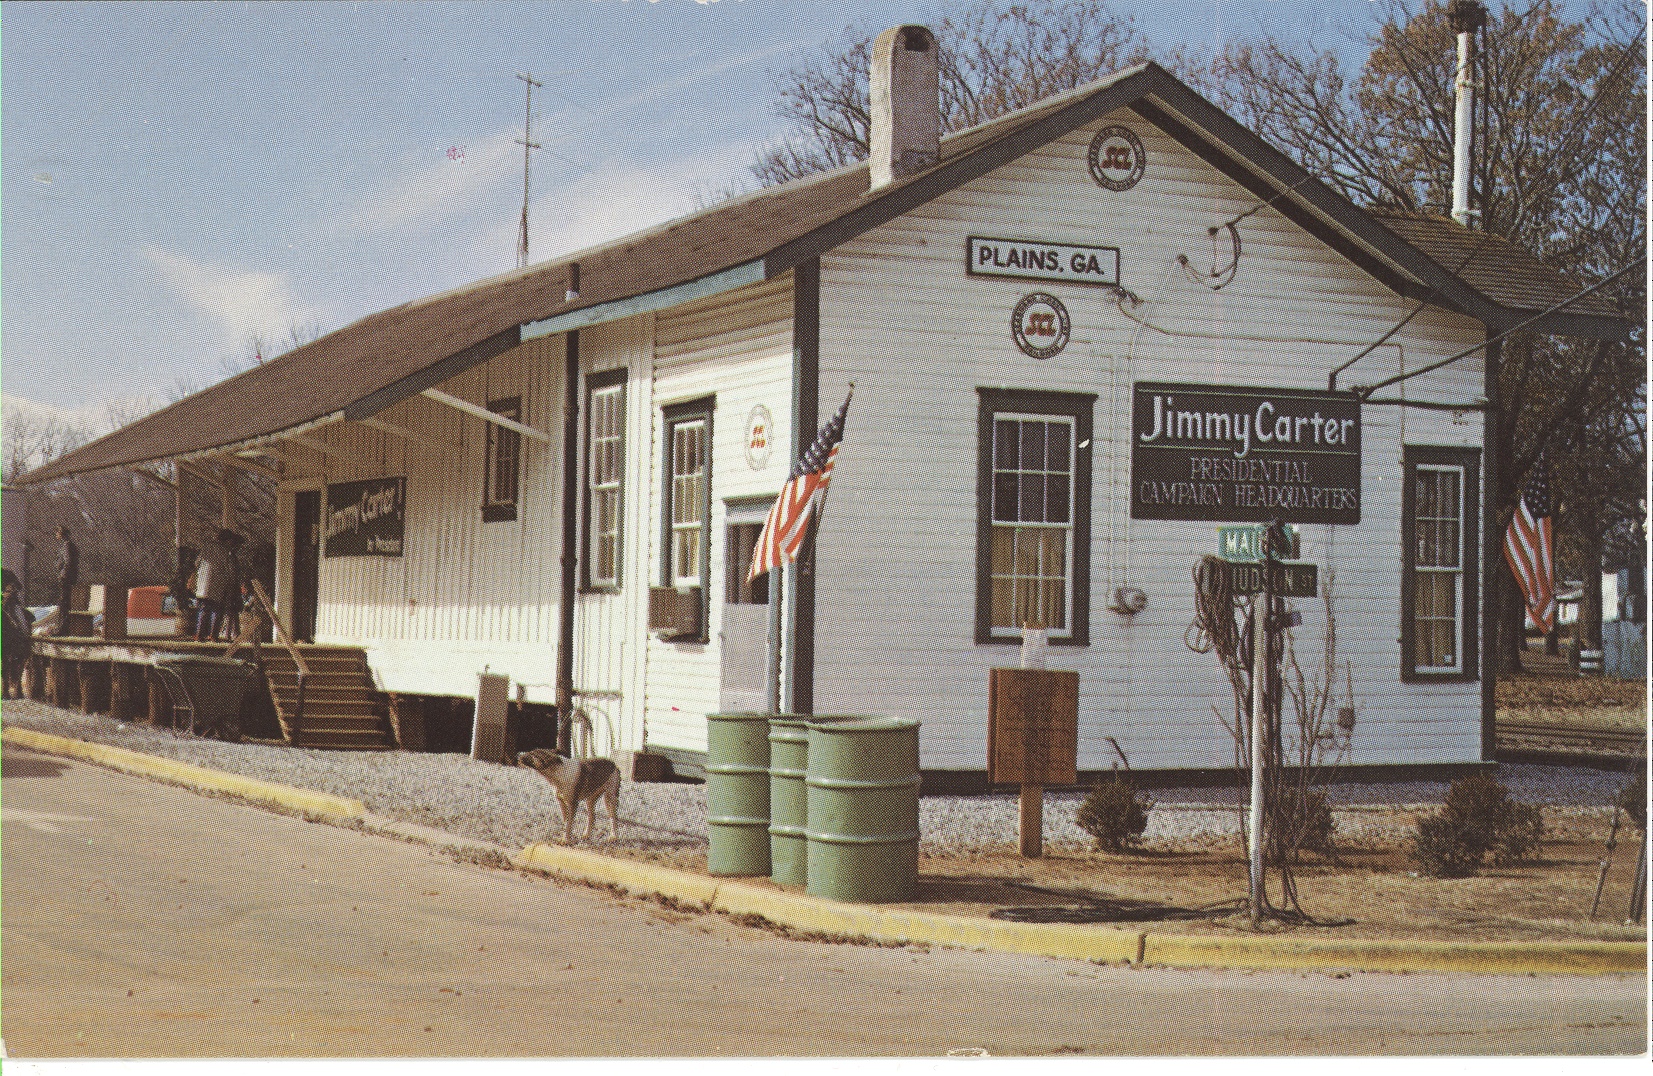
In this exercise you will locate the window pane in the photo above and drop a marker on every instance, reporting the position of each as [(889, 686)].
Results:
[(1032, 499), (1057, 459), (1004, 444), (1056, 498), (1004, 545), (1004, 496), (1449, 544), (1033, 444)]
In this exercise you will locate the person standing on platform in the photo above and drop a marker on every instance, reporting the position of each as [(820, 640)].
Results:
[(210, 572), (229, 586), (68, 574)]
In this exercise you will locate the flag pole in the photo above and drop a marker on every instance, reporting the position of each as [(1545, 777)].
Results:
[(772, 662)]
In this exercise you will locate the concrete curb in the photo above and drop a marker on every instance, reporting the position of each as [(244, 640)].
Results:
[(1103, 944), (132, 762), (813, 915)]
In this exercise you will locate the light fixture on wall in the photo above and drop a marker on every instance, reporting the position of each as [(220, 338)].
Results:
[(573, 282)]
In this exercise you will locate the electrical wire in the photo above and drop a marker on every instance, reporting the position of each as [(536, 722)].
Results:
[(1216, 279)]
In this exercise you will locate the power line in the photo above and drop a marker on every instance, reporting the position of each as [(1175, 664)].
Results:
[(1366, 391)]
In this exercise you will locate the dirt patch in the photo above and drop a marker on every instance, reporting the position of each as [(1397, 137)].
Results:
[(1372, 892)]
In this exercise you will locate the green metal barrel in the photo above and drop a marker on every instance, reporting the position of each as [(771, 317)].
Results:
[(737, 794), (788, 761), (788, 802), (862, 809)]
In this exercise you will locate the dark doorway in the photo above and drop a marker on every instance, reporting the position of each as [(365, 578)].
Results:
[(306, 563)]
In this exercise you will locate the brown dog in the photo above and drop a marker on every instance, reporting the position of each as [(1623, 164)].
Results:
[(578, 782)]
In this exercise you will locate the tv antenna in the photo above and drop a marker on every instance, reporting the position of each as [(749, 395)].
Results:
[(528, 145)]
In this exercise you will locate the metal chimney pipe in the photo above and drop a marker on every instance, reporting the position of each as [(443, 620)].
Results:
[(1465, 17)]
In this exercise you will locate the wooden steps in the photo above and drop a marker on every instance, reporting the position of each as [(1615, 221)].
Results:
[(342, 708)]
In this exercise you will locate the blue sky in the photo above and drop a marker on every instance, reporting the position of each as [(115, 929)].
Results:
[(179, 177)]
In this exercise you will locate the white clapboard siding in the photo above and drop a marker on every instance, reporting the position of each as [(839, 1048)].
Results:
[(610, 627), (465, 595), (896, 592), (737, 347)]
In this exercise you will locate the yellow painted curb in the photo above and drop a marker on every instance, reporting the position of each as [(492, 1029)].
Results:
[(142, 765), (628, 874), (1275, 953), (799, 912)]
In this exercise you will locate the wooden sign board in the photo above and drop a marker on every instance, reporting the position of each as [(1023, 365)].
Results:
[(1033, 727)]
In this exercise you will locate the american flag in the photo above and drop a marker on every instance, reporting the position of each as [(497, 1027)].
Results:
[(788, 522), (1529, 548)]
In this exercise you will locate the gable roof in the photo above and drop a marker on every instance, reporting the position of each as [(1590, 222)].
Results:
[(366, 367)]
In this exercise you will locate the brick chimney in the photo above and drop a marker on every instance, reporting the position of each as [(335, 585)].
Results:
[(906, 104)]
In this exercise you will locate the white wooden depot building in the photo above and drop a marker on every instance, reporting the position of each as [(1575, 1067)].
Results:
[(1082, 337)]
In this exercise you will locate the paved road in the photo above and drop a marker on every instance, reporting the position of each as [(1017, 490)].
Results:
[(142, 920)]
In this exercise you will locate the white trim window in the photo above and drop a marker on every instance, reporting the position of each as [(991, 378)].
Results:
[(688, 495), (1032, 521), (605, 484), (1033, 560), (1438, 568)]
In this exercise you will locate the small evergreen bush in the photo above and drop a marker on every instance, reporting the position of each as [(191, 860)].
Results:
[(1478, 819), (1115, 814)]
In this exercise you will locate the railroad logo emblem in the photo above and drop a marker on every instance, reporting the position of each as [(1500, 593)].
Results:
[(1117, 159), (759, 437), (1040, 325)]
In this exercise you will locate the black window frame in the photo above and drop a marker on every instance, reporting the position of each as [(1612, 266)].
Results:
[(1080, 407), (497, 509), (672, 416), (1468, 460), (595, 383)]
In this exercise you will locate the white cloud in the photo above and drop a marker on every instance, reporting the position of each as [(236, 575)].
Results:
[(433, 192), (241, 302), (616, 201)]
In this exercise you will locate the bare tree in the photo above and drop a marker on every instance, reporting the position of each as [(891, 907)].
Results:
[(1559, 169)]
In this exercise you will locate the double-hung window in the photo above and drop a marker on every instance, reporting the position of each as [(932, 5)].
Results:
[(1439, 586), (605, 453), (688, 494), (1033, 528), (502, 469)]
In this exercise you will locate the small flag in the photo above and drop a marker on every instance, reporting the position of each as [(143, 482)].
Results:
[(788, 521), (1529, 549)]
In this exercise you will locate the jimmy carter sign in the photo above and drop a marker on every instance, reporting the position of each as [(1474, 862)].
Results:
[(1212, 452), (364, 519)]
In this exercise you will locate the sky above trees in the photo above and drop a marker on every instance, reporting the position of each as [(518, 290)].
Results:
[(183, 178)]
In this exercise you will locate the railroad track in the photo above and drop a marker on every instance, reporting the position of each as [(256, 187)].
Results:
[(1571, 737)]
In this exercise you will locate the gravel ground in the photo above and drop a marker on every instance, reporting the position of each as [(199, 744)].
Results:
[(512, 807)]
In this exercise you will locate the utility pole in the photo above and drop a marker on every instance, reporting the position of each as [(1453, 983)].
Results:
[(528, 145)]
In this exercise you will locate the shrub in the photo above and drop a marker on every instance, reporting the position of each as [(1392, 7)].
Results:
[(1478, 818), (1115, 814), (1301, 822)]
